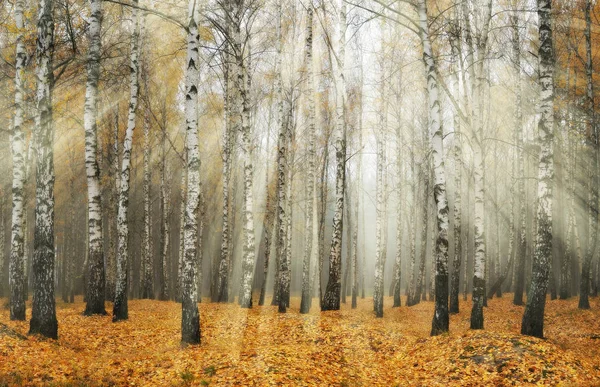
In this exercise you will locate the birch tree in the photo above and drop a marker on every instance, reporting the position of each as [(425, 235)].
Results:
[(120, 306), (533, 318), (592, 151), (331, 297), (43, 310), (96, 275), (190, 319), (440, 318), (380, 204), (16, 274), (310, 176)]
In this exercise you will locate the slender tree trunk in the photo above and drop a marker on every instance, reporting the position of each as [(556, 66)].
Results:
[(331, 298), (190, 319), (456, 262), (19, 210), (43, 311), (182, 198), (120, 307), (565, 272), (282, 155), (479, 168), (147, 266), (440, 321), (533, 318), (521, 250), (111, 257), (249, 254), (399, 230), (380, 202), (310, 176), (95, 292), (165, 197), (592, 145), (2, 241)]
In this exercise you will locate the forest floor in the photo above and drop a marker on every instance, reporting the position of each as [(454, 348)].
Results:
[(342, 348)]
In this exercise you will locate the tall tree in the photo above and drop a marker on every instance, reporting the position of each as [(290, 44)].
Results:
[(16, 272), (440, 317), (331, 297), (310, 176), (96, 276), (190, 319), (591, 136), (458, 165), (522, 233), (120, 307), (380, 236), (43, 310), (533, 318)]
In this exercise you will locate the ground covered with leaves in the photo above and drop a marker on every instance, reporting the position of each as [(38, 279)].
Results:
[(343, 348)]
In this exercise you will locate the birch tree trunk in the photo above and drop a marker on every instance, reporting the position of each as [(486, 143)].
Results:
[(533, 318), (16, 276), (190, 319), (182, 198), (331, 298), (378, 289), (43, 311), (458, 165), (147, 266), (96, 275), (592, 147), (2, 241), (565, 272), (399, 230), (478, 171), (165, 198), (120, 307), (440, 321), (111, 264), (310, 175), (522, 219), (249, 254), (282, 154)]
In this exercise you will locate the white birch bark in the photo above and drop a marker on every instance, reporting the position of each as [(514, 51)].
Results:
[(96, 276), (533, 318), (190, 319), (165, 193), (458, 165), (521, 249), (310, 175), (16, 274), (2, 242), (43, 311), (111, 257), (282, 155), (380, 203), (479, 164), (182, 196), (331, 298), (399, 217), (249, 253), (147, 267), (592, 151), (120, 307)]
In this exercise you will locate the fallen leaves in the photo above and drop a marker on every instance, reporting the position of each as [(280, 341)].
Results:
[(260, 347)]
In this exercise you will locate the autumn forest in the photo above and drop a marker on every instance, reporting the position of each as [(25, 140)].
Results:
[(299, 192)]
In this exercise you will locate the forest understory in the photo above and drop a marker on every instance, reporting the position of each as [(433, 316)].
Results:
[(259, 346)]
